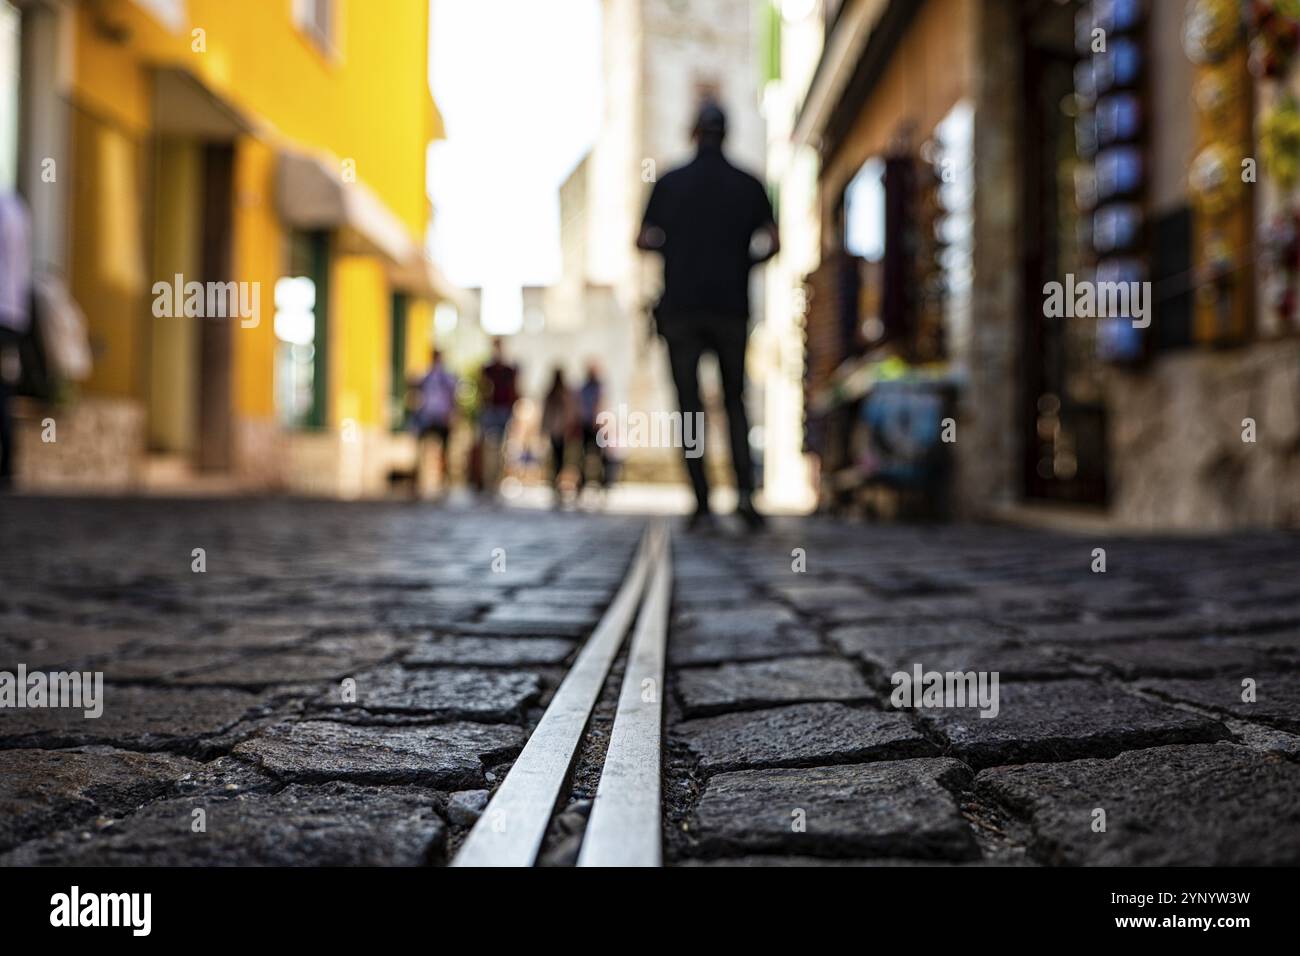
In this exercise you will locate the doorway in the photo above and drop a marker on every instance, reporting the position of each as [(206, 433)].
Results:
[(191, 359), (1062, 414)]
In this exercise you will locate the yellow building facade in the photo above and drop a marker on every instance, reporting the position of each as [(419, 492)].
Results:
[(245, 205)]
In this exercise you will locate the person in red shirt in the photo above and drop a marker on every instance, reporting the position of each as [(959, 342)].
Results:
[(497, 386)]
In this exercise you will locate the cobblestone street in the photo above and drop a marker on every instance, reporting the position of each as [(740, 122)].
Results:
[(348, 683)]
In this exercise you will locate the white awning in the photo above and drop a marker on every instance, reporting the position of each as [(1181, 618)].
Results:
[(420, 277), (311, 193), (170, 13), (183, 106), (843, 49)]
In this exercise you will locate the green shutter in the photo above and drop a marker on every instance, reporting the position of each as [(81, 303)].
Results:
[(397, 387)]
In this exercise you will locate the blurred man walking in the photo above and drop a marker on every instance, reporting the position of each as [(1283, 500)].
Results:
[(704, 219)]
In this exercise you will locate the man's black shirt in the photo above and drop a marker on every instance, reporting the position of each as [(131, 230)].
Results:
[(708, 211)]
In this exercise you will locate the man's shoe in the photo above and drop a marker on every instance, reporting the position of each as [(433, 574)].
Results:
[(701, 521), (750, 515)]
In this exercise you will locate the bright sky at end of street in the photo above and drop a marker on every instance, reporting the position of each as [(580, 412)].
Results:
[(518, 84)]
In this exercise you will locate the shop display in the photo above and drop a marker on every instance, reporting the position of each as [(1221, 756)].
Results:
[(1281, 241), (1212, 30), (1110, 184), (1279, 142), (1275, 35), (1214, 39), (1273, 30), (928, 333)]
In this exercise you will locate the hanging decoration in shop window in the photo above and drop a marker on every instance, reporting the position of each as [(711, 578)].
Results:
[(1281, 241), (928, 343), (1274, 35), (1215, 180), (1212, 30), (1111, 177), (1214, 39), (1279, 142)]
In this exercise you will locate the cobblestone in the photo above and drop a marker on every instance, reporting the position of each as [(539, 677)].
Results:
[(488, 651), (949, 646), (893, 808), (1214, 804), (464, 693), (712, 690), (336, 824), (804, 735), (447, 756), (1277, 696), (42, 790), (1062, 720), (1192, 657), (740, 634), (138, 718), (329, 658)]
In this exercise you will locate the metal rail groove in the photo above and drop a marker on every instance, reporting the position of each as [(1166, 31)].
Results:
[(513, 825), (625, 826)]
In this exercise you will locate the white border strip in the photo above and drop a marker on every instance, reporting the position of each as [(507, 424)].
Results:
[(512, 827)]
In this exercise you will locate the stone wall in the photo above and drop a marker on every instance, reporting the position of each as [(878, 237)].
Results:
[(987, 441), (98, 445), (1178, 458), (261, 453)]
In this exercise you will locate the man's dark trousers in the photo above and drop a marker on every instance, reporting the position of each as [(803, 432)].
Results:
[(688, 338)]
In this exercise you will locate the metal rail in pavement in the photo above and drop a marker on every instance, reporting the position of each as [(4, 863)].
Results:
[(513, 825)]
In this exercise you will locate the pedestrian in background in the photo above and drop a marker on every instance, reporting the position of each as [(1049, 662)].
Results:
[(704, 218), (559, 424), (15, 316), (434, 418), (591, 399), (499, 392)]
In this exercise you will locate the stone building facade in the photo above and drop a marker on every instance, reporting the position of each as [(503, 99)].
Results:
[(1190, 423)]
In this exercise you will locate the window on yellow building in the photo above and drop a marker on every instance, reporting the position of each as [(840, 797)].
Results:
[(318, 20), (302, 333)]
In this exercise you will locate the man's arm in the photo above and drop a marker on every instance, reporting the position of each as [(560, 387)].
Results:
[(769, 245), (650, 238), (768, 241)]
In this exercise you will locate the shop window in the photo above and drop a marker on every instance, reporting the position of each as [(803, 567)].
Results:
[(302, 333), (954, 161), (864, 212), (1083, 187)]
